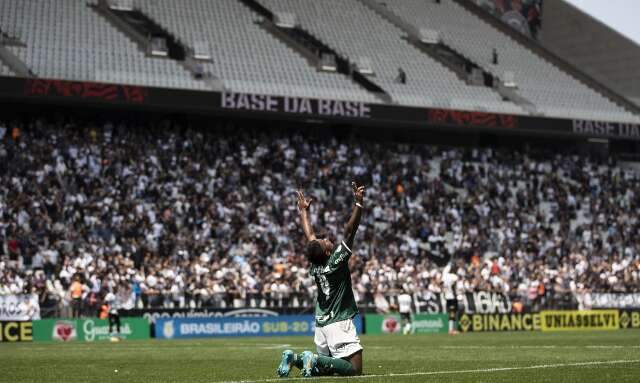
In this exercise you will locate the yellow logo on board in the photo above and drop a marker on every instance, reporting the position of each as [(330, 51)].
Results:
[(580, 320), (465, 323)]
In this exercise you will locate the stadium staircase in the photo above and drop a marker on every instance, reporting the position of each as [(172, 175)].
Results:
[(10, 60), (456, 61), (546, 54), (314, 49), (143, 29)]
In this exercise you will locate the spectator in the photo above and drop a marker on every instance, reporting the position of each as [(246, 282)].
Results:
[(180, 217), (76, 291), (402, 76)]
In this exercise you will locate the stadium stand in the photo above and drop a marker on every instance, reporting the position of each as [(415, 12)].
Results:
[(252, 61), (73, 41), (554, 92), (356, 31), (65, 39), (153, 154), (207, 216), (572, 34)]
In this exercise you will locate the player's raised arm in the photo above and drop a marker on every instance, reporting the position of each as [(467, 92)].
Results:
[(303, 208), (352, 226)]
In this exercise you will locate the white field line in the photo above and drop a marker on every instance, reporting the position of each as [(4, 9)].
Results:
[(275, 346), (612, 346), (447, 372)]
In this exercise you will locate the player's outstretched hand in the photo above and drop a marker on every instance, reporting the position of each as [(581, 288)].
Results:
[(303, 203), (358, 192)]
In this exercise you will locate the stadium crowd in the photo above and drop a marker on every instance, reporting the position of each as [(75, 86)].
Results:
[(170, 216)]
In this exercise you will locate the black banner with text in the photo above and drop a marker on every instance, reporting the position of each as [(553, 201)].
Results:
[(298, 108), (629, 319), (499, 322), (481, 302)]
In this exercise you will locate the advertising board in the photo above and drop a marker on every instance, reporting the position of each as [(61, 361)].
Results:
[(13, 331), (89, 330), (579, 320)]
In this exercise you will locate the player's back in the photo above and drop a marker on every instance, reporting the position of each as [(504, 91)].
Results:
[(448, 283), (404, 303), (335, 300)]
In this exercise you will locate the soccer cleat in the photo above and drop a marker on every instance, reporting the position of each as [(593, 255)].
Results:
[(285, 364), (308, 363)]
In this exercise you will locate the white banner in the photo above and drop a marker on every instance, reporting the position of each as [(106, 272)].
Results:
[(22, 307), (615, 301)]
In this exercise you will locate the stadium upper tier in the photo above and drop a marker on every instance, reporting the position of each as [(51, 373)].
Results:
[(68, 39), (355, 30), (246, 57), (65, 39), (554, 92)]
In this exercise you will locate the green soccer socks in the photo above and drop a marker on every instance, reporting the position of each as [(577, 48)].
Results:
[(326, 365)]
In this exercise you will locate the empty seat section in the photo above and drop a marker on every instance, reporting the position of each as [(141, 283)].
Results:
[(246, 56), (66, 39), (355, 31), (554, 92)]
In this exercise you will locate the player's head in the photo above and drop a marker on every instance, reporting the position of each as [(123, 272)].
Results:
[(319, 250)]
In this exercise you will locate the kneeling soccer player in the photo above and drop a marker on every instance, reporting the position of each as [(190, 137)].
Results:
[(338, 346)]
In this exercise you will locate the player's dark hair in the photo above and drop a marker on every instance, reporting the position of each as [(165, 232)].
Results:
[(315, 253)]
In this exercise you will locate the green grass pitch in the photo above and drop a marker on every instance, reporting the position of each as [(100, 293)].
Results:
[(583, 357)]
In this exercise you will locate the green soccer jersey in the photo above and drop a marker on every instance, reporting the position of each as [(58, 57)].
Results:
[(335, 298)]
